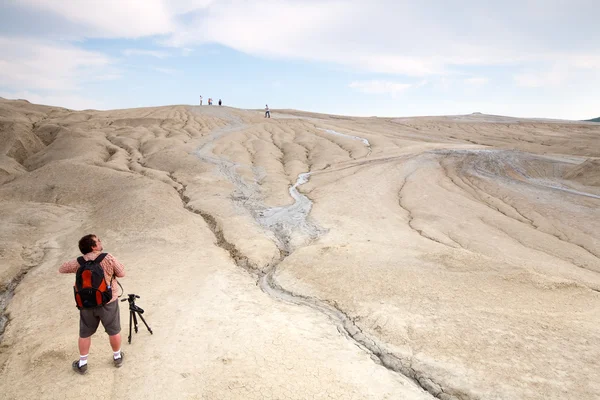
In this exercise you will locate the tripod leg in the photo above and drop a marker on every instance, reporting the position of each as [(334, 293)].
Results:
[(144, 321), (135, 323), (130, 316)]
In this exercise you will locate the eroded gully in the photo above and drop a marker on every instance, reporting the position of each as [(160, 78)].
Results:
[(287, 223)]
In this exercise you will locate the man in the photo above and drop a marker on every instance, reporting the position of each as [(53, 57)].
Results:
[(89, 318), (267, 111), (200, 100)]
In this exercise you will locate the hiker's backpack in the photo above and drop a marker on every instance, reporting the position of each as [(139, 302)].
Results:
[(90, 287)]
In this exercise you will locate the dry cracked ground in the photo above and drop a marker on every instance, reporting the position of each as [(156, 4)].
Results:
[(305, 256)]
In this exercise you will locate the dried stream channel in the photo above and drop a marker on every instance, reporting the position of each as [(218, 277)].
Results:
[(289, 221), (291, 226), (365, 141)]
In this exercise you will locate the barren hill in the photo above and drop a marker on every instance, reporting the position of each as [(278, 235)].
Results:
[(306, 255)]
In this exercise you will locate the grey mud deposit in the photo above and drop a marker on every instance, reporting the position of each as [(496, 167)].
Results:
[(5, 297), (290, 224), (363, 140), (514, 166), (292, 229), (32, 258)]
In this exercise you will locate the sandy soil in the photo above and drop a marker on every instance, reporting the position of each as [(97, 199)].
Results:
[(305, 256)]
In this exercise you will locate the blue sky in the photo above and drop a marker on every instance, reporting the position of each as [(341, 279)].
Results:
[(529, 58)]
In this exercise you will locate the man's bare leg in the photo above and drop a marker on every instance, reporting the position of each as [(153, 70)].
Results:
[(115, 342), (84, 345), (84, 350)]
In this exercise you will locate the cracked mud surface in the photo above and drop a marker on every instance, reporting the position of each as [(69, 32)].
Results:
[(307, 256)]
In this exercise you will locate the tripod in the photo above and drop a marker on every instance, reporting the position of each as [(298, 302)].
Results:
[(133, 309)]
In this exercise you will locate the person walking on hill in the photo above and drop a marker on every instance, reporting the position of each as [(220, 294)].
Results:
[(200, 100), (267, 111), (220, 102), (90, 318)]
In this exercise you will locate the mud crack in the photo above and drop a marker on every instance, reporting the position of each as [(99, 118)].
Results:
[(411, 218), (5, 297), (32, 259), (345, 324)]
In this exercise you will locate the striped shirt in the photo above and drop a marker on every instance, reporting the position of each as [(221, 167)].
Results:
[(110, 265)]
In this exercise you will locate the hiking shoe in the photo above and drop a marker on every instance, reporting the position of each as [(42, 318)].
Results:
[(119, 361), (80, 370)]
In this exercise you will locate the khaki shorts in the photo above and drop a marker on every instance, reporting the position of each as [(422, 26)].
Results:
[(108, 314)]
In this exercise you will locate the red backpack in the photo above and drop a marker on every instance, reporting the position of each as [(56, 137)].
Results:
[(90, 287)]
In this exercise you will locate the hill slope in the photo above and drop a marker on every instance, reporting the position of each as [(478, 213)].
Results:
[(306, 255)]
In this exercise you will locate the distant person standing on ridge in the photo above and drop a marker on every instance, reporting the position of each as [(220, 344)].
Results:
[(200, 100), (267, 112), (220, 102)]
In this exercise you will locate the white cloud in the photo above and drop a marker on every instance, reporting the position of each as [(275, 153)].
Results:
[(111, 18), (72, 101), (398, 64), (120, 18), (589, 61), (540, 79), (561, 74), (51, 73), (477, 81), (149, 53), (444, 42), (168, 71), (380, 87), (31, 64), (385, 36)]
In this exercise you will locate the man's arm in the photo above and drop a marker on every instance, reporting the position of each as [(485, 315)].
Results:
[(118, 268), (70, 267)]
